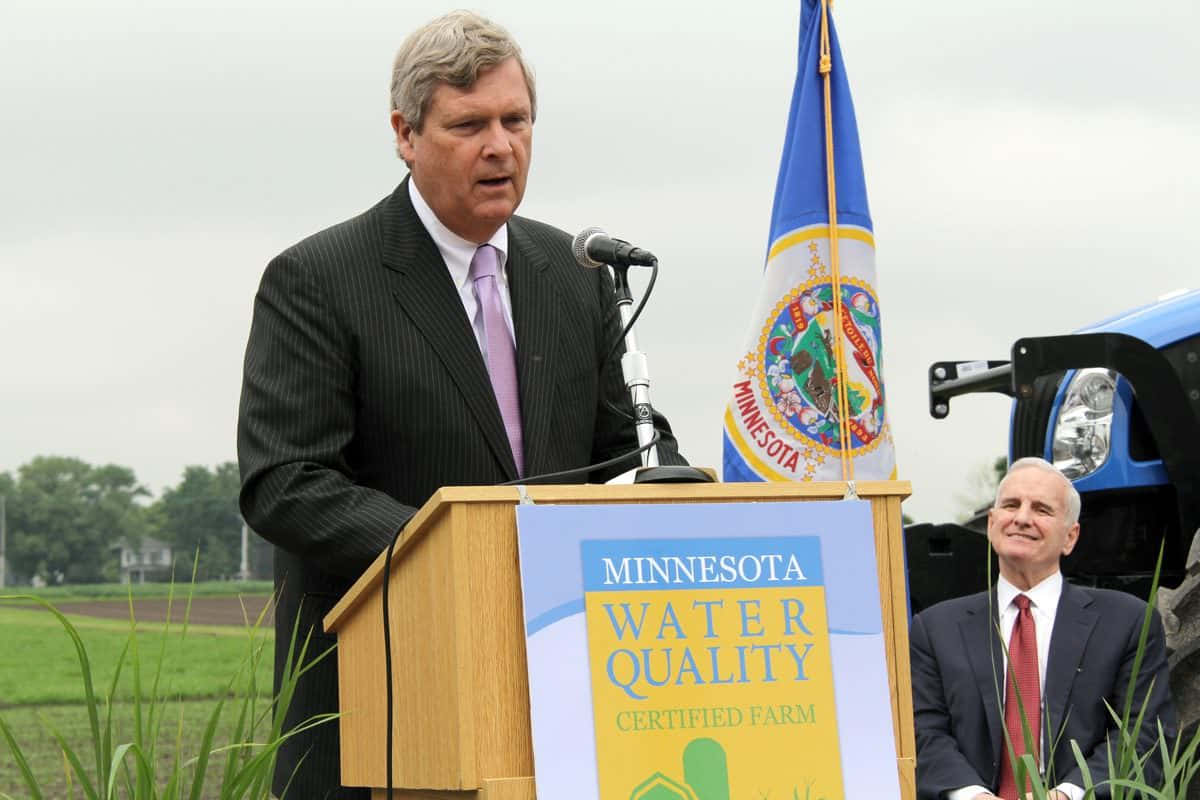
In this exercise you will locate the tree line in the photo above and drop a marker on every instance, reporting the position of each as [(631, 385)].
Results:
[(66, 520)]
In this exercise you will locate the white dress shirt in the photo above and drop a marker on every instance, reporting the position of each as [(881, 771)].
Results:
[(1043, 607), (457, 252)]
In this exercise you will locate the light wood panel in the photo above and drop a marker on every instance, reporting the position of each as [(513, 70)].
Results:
[(425, 794), (501, 789), (435, 747), (499, 678), (508, 789), (893, 602)]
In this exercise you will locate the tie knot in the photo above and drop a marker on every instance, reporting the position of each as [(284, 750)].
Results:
[(1022, 602), (485, 263)]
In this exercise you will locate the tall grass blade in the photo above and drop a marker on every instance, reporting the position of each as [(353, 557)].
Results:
[(117, 757), (205, 750), (239, 734), (76, 765), (153, 724), (142, 786), (35, 792), (1179, 767), (1137, 786), (106, 740), (143, 768), (1142, 636), (173, 789), (1027, 770), (244, 728), (261, 763), (85, 667), (1088, 784)]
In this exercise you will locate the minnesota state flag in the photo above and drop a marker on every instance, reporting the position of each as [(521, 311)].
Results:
[(785, 419)]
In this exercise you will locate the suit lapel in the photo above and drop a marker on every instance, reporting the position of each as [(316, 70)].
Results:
[(427, 295), (1074, 622), (981, 642), (535, 319)]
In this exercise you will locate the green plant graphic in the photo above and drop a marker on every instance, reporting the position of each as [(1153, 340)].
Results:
[(705, 770), (705, 776)]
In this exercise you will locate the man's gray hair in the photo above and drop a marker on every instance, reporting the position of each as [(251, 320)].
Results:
[(1033, 462), (451, 49)]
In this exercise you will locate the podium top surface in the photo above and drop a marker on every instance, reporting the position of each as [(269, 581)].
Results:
[(448, 496)]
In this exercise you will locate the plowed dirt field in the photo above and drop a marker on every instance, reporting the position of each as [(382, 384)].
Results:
[(204, 610)]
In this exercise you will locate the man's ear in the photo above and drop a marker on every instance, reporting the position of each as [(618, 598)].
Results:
[(1071, 539), (404, 136)]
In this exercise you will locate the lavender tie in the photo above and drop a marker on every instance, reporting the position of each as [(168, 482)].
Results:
[(501, 355)]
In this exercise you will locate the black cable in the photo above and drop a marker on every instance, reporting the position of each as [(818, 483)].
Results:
[(567, 473), (637, 312), (387, 653)]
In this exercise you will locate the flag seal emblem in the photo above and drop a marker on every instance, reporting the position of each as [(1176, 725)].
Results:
[(795, 366)]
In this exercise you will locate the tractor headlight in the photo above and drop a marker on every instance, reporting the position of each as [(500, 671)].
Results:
[(1083, 429)]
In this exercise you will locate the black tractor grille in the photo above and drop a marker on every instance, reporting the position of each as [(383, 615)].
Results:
[(1032, 416)]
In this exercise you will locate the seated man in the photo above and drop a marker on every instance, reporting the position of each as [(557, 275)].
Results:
[(1071, 651)]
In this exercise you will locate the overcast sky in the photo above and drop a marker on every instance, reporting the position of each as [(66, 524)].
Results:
[(1032, 167)]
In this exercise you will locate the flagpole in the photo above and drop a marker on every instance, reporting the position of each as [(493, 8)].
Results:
[(826, 68)]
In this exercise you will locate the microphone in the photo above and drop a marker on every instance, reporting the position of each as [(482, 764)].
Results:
[(594, 248)]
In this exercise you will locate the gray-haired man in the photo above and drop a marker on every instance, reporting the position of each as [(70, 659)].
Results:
[(1067, 651), (435, 339)]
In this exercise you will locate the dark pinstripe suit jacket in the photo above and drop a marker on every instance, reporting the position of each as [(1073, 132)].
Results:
[(365, 391)]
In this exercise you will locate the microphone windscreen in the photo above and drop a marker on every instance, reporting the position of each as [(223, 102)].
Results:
[(579, 248)]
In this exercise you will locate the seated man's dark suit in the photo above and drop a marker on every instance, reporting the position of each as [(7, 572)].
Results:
[(365, 391), (958, 686)]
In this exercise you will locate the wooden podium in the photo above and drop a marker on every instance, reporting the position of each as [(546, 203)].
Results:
[(460, 687)]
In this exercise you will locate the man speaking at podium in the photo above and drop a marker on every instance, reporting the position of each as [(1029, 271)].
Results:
[(433, 340)]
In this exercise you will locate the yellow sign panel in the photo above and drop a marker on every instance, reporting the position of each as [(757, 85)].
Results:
[(713, 693)]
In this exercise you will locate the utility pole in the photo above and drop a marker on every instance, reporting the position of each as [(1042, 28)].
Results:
[(3, 542), (244, 571)]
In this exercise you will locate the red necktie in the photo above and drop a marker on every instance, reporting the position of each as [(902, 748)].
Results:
[(1023, 678)]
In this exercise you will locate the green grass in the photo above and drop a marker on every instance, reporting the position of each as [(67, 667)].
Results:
[(46, 760), (102, 708), (38, 664), (119, 591)]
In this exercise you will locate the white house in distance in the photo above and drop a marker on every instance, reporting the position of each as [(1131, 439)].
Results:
[(150, 560)]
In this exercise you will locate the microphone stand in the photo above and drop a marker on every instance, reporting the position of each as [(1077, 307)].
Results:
[(637, 380)]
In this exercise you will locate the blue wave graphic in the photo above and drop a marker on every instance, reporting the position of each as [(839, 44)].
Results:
[(547, 618)]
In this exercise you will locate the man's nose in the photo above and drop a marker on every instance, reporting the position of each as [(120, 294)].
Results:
[(496, 139), (1023, 515)]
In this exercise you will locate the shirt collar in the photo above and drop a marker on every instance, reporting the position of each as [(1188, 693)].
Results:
[(1043, 596), (456, 251)]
